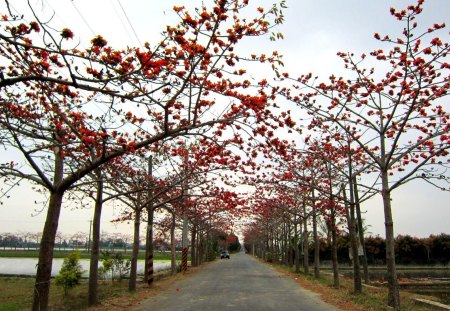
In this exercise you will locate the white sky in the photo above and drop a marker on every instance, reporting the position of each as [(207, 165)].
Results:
[(314, 31)]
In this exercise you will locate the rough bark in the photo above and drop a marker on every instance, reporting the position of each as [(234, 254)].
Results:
[(148, 273), (173, 255), (361, 233), (44, 266), (296, 249), (201, 247), (357, 286), (316, 241), (290, 249), (334, 256), (194, 245), (47, 245), (185, 243), (305, 240), (135, 253), (95, 247), (393, 289)]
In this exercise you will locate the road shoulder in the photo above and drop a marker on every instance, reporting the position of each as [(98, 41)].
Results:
[(323, 292)]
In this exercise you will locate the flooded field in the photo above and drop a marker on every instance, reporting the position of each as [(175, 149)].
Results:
[(27, 266)]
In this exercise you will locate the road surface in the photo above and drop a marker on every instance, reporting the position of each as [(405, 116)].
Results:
[(240, 283)]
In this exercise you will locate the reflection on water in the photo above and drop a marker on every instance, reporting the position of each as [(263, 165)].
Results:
[(27, 266)]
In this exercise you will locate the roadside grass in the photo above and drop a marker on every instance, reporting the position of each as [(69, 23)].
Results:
[(161, 256), (16, 294), (372, 298)]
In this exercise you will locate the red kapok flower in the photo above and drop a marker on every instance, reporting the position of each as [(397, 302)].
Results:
[(99, 41), (66, 33), (35, 26)]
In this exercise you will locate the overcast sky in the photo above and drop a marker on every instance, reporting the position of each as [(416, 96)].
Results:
[(314, 31)]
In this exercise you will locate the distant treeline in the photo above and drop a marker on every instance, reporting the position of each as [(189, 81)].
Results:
[(434, 249), (77, 241)]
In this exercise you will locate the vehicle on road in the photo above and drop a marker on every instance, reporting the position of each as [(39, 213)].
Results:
[(224, 254)]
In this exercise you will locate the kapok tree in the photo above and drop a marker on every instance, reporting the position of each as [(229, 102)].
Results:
[(326, 182), (397, 118), (132, 98), (131, 188), (335, 153)]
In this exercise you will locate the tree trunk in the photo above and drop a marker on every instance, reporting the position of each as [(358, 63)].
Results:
[(357, 286), (185, 230), (185, 243), (135, 254), (149, 248), (290, 252), (283, 245), (334, 255), (305, 240), (44, 266), (393, 290), (148, 273), (95, 247), (361, 233), (288, 248), (201, 247), (208, 242), (316, 241), (198, 252), (194, 244), (173, 255)]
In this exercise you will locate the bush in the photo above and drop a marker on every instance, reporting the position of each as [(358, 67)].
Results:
[(70, 274)]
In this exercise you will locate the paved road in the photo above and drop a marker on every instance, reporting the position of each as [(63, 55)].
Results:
[(240, 284)]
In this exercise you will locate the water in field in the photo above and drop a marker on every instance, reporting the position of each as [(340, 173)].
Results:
[(27, 266)]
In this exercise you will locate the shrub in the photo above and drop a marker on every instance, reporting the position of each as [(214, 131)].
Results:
[(70, 274)]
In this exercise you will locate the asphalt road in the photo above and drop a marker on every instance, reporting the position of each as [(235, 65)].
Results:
[(240, 283)]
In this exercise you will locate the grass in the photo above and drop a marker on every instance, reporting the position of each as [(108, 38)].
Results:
[(17, 294), (372, 298), (162, 256)]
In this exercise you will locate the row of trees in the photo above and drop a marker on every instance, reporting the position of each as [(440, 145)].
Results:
[(150, 128), (433, 250), (367, 133), (173, 128)]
